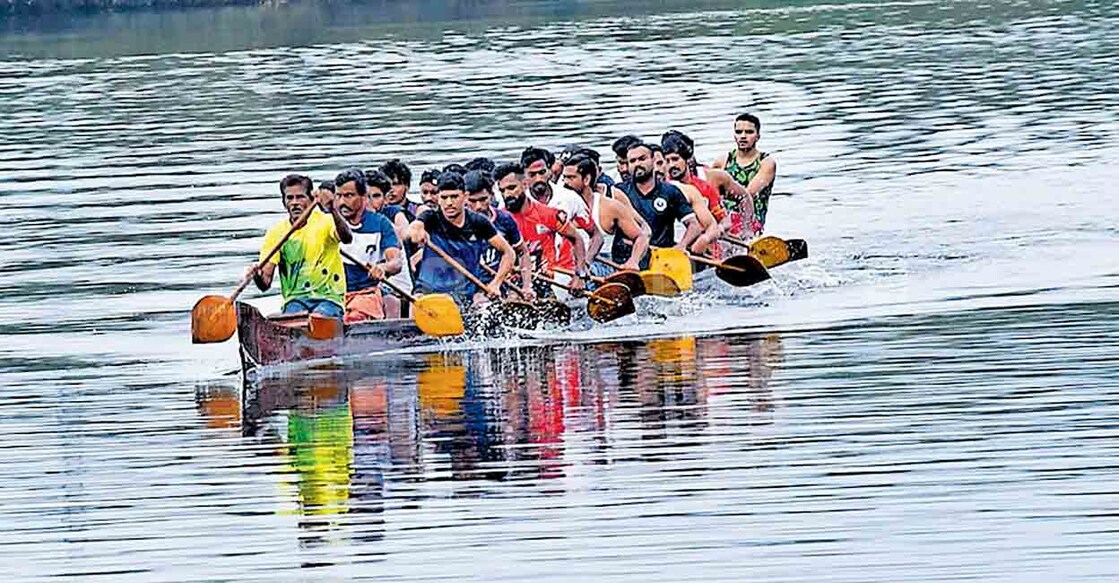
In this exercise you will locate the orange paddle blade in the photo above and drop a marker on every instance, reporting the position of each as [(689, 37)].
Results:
[(323, 328), (213, 319), (771, 251), (438, 315), (610, 302), (659, 284)]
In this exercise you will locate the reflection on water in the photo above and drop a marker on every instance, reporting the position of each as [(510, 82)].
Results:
[(529, 415)]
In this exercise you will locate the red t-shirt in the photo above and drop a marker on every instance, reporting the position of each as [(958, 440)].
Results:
[(539, 224), (711, 193)]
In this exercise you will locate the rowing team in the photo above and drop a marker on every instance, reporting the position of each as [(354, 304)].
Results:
[(552, 217)]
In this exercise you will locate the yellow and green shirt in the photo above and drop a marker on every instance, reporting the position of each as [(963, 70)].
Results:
[(309, 263)]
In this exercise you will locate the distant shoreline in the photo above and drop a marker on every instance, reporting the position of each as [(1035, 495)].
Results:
[(12, 7)]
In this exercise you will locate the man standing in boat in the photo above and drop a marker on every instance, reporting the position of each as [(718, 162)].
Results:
[(753, 169), (311, 274), (539, 223), (375, 244), (610, 216), (660, 204), (457, 231)]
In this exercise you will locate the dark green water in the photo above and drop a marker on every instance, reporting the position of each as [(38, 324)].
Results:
[(931, 396)]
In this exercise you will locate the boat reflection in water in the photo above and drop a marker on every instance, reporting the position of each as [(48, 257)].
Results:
[(383, 436)]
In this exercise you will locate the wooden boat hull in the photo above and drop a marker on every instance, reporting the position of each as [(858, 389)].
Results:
[(267, 342)]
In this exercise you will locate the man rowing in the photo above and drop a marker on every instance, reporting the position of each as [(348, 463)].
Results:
[(539, 224), (660, 204), (311, 276), (537, 164), (458, 231), (400, 179), (609, 216), (429, 190), (374, 243), (753, 169), (479, 198), (620, 147), (379, 186)]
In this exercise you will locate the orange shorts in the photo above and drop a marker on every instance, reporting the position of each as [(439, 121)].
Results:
[(366, 304)]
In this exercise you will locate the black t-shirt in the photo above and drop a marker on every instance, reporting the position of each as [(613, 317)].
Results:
[(661, 208), (465, 244)]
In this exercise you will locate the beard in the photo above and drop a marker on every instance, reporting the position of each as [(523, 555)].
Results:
[(540, 189), (640, 173), (515, 204), (676, 173)]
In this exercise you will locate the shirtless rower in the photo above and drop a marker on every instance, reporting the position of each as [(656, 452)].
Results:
[(457, 230), (751, 168), (538, 223), (609, 215), (660, 204), (311, 275), (375, 243)]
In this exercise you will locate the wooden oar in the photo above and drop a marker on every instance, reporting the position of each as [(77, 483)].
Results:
[(514, 313), (653, 283), (550, 309), (739, 270), (435, 314), (213, 318), (772, 251), (610, 301)]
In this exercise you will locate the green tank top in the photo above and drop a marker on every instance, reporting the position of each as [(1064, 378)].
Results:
[(743, 175)]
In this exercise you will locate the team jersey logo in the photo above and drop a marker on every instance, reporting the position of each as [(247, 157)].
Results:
[(660, 204)]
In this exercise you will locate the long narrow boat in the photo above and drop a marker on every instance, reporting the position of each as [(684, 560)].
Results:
[(267, 341)]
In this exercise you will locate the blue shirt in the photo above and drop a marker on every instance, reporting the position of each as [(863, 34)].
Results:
[(661, 208), (371, 238), (463, 243), (507, 227)]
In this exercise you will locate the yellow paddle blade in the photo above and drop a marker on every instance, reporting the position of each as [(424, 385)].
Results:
[(675, 264), (659, 284), (610, 302), (323, 328), (771, 251), (438, 315), (212, 319)]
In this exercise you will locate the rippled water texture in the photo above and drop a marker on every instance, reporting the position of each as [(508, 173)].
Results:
[(931, 396)]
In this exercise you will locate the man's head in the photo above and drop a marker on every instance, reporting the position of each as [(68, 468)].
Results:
[(479, 191), (640, 160), (452, 195), (456, 168), (429, 187), (379, 187), (296, 192), (621, 150), (481, 163), (562, 157), (678, 153), (658, 161), (401, 179), (510, 178), (350, 188), (747, 131), (537, 163), (580, 173)]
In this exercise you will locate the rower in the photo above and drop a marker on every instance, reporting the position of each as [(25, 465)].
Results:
[(457, 231), (374, 243), (480, 199), (429, 190), (537, 164), (400, 177), (703, 197), (481, 163), (660, 204), (378, 186), (538, 223), (621, 148), (751, 168), (610, 217), (311, 275), (715, 185)]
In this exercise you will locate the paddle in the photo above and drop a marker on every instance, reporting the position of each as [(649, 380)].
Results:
[(514, 313), (772, 251), (739, 270), (435, 314), (213, 318), (550, 309), (610, 301), (653, 283)]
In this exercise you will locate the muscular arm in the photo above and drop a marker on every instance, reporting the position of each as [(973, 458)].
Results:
[(694, 230), (507, 257), (707, 222), (628, 224), (400, 225), (764, 178), (340, 225), (595, 246), (578, 250), (729, 187)]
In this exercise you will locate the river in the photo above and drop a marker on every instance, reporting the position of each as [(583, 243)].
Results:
[(931, 395)]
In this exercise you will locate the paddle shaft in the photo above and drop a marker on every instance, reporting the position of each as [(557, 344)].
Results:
[(294, 227), (508, 285), (395, 288), (598, 280), (735, 240), (714, 263), (459, 267)]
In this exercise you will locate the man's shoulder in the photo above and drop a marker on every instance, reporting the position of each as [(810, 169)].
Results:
[(671, 189)]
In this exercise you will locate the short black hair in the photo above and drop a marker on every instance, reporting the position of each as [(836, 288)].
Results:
[(506, 169), (481, 163), (568, 151), (621, 145), (673, 142), (589, 153), (750, 118), (584, 166), (378, 179), (292, 180), (477, 181), (532, 155), (327, 184), (352, 175), (431, 175), (456, 168), (397, 171), (636, 145), (654, 148), (450, 181)]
